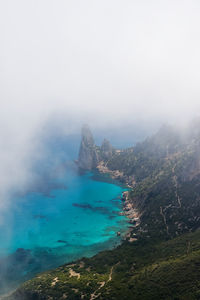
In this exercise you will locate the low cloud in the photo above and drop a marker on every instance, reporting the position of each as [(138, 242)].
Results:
[(108, 63)]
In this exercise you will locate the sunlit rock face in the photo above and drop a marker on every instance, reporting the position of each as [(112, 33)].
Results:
[(88, 155)]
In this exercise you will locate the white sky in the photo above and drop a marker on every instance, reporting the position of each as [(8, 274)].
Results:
[(107, 62)]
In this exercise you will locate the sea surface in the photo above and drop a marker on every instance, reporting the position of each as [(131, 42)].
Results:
[(58, 220)]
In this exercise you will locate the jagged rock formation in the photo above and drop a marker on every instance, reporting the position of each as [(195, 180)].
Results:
[(91, 155), (88, 155)]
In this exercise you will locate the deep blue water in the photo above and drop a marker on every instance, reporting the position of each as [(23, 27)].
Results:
[(71, 216)]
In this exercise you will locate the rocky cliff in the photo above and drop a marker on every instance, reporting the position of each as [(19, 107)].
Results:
[(107, 150), (88, 154)]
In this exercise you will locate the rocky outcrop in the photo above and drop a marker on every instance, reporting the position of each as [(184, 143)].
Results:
[(107, 150), (91, 155), (88, 155)]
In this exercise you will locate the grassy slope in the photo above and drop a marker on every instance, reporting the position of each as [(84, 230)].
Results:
[(141, 270)]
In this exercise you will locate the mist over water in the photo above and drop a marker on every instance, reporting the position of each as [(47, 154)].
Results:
[(125, 68), (121, 67), (60, 216)]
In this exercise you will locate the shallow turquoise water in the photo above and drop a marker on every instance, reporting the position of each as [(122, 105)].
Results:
[(78, 219)]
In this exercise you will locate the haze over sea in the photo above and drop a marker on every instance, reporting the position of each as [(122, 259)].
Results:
[(62, 216)]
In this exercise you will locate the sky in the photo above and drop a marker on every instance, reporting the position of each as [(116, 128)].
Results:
[(109, 63)]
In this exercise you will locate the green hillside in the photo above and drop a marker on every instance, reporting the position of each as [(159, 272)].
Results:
[(139, 270), (160, 259)]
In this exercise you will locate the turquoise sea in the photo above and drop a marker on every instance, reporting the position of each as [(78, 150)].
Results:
[(71, 216)]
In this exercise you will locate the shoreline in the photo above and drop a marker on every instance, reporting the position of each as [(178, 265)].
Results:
[(128, 210), (127, 235), (111, 244), (117, 175), (131, 213)]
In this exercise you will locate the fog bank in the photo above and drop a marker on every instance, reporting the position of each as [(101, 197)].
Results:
[(111, 64)]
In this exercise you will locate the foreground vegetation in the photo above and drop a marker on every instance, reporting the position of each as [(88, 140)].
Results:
[(139, 270)]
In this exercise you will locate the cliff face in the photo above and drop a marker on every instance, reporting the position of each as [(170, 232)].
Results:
[(91, 155), (88, 155)]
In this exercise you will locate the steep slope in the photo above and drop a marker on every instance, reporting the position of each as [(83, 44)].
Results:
[(88, 156), (166, 169)]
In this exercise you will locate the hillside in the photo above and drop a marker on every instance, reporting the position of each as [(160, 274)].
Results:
[(160, 259), (140, 270), (166, 181)]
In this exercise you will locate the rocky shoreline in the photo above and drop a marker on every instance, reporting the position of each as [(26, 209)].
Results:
[(92, 157), (128, 208), (132, 214), (116, 174)]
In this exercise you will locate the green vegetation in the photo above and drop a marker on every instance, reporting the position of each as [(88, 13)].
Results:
[(145, 269), (163, 262), (166, 169)]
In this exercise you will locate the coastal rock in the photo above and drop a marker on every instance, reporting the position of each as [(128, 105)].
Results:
[(106, 150), (125, 196), (88, 155), (91, 155)]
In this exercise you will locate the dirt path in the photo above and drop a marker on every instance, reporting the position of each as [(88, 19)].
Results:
[(72, 273), (110, 275), (164, 218), (176, 187), (96, 293), (162, 209)]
